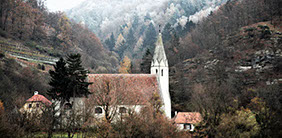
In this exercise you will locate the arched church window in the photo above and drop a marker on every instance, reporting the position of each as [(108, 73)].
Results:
[(162, 72), (156, 71), (98, 110), (122, 110)]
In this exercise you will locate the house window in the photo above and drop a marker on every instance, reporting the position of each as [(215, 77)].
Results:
[(162, 72), (37, 105), (98, 110), (29, 105), (187, 126), (122, 110)]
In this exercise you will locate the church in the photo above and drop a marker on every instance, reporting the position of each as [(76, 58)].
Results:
[(127, 91), (114, 95)]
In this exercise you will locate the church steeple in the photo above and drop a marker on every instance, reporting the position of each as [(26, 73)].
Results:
[(159, 58), (159, 67)]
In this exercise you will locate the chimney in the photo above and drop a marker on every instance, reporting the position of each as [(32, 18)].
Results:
[(36, 93)]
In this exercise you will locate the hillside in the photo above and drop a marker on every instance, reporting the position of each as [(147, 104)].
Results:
[(230, 63), (32, 39), (106, 17), (30, 32), (18, 80), (129, 28)]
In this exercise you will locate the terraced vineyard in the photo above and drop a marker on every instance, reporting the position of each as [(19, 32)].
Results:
[(20, 51)]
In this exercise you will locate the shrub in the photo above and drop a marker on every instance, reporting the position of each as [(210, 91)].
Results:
[(43, 67), (31, 44), (39, 66), (263, 27), (2, 55), (250, 29), (3, 33)]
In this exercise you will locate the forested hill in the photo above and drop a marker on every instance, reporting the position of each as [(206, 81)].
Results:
[(26, 27), (229, 68), (130, 27)]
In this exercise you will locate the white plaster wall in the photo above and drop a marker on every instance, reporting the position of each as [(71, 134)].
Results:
[(181, 127), (135, 108), (164, 86), (34, 108)]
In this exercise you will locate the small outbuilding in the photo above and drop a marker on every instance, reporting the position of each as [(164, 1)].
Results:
[(187, 120), (35, 104)]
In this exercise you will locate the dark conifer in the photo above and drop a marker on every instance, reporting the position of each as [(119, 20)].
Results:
[(110, 42), (151, 37), (145, 65), (166, 33), (78, 86), (68, 79), (59, 81)]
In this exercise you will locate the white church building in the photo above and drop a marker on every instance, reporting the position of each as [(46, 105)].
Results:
[(130, 91)]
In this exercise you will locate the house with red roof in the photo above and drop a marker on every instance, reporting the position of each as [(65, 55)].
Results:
[(35, 104), (187, 120)]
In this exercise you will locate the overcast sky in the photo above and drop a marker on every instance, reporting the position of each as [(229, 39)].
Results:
[(56, 5)]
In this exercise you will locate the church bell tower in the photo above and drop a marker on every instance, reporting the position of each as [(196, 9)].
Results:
[(159, 66)]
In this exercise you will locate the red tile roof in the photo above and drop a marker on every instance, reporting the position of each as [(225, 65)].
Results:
[(39, 98), (126, 88), (188, 118)]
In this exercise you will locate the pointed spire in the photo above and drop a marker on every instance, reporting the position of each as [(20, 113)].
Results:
[(159, 57)]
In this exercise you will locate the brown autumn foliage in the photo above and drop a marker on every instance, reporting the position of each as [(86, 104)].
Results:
[(147, 124)]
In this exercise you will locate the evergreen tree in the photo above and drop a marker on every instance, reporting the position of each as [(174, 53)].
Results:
[(59, 81), (151, 37), (147, 17), (110, 42), (145, 65), (188, 26), (179, 29), (135, 22), (142, 29), (77, 75), (130, 41), (68, 79), (166, 33)]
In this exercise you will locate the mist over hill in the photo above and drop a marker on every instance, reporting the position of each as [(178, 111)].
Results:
[(129, 27), (104, 17)]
